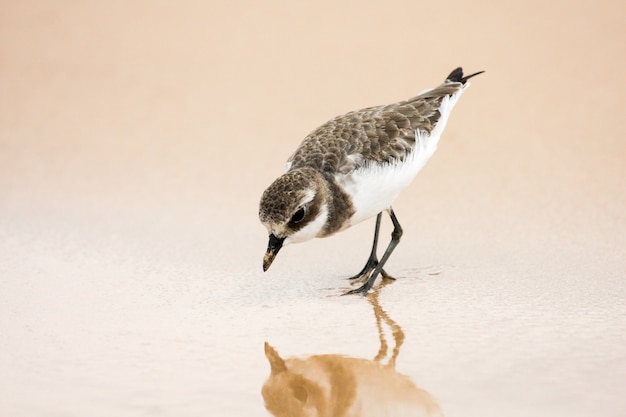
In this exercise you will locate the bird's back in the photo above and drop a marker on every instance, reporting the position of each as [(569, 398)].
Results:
[(381, 134)]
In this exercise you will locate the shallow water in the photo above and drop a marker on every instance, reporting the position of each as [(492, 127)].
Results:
[(123, 320), (135, 142)]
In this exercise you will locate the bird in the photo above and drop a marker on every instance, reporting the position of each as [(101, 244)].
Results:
[(352, 168)]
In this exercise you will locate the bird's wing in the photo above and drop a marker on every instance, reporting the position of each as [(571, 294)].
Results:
[(372, 135)]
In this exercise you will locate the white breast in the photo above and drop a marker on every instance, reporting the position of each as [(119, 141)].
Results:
[(374, 187)]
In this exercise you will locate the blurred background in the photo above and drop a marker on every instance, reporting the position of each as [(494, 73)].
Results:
[(137, 137)]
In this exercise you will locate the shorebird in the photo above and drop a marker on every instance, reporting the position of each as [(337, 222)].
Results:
[(352, 168)]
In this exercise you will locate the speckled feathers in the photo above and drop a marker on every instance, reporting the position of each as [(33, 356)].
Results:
[(282, 198), (376, 134), (354, 166)]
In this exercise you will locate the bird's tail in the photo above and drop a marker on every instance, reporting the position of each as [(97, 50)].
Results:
[(456, 76)]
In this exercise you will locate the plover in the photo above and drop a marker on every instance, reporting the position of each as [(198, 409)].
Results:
[(352, 168)]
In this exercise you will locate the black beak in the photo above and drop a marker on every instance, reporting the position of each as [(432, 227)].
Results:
[(273, 247)]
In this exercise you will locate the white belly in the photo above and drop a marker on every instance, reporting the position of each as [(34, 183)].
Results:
[(374, 187)]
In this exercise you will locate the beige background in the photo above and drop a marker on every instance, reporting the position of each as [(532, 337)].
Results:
[(137, 137)]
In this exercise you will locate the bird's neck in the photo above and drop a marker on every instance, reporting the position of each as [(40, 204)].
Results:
[(339, 204)]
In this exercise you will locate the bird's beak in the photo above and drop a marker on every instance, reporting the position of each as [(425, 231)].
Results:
[(273, 247)]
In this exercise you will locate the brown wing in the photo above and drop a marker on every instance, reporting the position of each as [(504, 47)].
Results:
[(376, 134)]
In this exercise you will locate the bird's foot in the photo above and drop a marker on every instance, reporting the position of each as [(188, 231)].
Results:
[(366, 277), (386, 275), (367, 270), (371, 264)]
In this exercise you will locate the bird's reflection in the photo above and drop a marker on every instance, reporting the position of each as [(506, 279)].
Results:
[(340, 386)]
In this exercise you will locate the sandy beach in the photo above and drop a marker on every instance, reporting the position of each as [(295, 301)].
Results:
[(136, 139)]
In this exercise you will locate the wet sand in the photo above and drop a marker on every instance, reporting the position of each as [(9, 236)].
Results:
[(135, 141)]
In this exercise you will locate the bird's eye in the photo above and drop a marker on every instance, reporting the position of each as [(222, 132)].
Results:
[(298, 216)]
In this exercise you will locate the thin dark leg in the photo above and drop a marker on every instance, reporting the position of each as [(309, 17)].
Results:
[(395, 239), (372, 261)]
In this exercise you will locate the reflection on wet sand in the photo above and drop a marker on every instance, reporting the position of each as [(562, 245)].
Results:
[(340, 386)]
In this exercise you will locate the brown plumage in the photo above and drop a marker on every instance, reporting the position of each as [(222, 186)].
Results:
[(352, 168), (375, 134)]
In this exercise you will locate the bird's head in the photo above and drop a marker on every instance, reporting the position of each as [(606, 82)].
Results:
[(293, 209)]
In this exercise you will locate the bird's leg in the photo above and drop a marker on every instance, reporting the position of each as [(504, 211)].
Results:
[(378, 269), (372, 261)]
